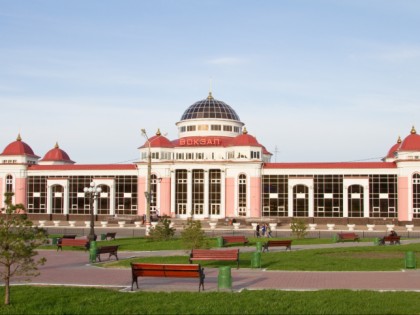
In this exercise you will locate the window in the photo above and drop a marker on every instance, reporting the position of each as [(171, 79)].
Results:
[(216, 127), (255, 154), (191, 128), (242, 193), (203, 127), (9, 183), (227, 128)]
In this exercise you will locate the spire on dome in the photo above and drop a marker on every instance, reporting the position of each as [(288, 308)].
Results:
[(245, 131), (399, 139), (56, 146), (158, 133), (210, 97), (19, 138), (413, 131)]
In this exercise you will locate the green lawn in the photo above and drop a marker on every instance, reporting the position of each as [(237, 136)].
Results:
[(141, 243), (68, 300)]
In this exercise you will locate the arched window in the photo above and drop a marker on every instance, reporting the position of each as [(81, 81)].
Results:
[(416, 196), (242, 205), (104, 201), (301, 201), (57, 199), (9, 183), (153, 194), (355, 201)]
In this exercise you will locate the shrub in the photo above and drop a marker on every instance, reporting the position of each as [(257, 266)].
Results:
[(162, 231), (299, 227), (193, 235)]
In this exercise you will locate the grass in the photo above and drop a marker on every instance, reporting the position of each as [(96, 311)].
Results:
[(69, 300), (143, 244), (369, 258)]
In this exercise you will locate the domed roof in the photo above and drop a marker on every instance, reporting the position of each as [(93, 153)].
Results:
[(18, 147), (411, 142), (210, 108), (57, 155), (394, 148), (158, 141)]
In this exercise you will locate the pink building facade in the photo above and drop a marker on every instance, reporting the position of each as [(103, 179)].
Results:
[(215, 169)]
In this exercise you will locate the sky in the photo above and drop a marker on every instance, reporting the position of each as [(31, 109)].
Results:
[(313, 81)]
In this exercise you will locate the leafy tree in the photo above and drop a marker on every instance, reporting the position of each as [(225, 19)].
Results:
[(299, 227), (18, 240), (163, 231), (193, 235)]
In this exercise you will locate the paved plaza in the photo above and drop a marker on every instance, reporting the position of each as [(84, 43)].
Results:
[(71, 268)]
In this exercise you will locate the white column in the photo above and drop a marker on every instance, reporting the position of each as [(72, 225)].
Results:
[(173, 187), (189, 193), (66, 199), (206, 193), (345, 202), (290, 201), (49, 199), (112, 199), (222, 193), (366, 193)]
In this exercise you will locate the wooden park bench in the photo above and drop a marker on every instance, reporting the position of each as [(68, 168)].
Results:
[(78, 242), (167, 271), (347, 237), (111, 250), (215, 254), (277, 243), (110, 235), (73, 236), (234, 239), (391, 239)]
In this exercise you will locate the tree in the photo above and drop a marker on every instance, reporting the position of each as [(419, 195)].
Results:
[(299, 227), (18, 241), (162, 232), (193, 235)]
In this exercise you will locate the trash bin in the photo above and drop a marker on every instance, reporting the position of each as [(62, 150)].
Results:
[(377, 241), (259, 246), (224, 280), (256, 260), (103, 237), (335, 238), (219, 241), (410, 260), (54, 240), (92, 252)]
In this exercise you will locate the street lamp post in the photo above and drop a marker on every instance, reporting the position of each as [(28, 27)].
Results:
[(148, 191), (92, 192)]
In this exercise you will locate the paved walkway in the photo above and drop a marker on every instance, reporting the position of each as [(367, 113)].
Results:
[(72, 268)]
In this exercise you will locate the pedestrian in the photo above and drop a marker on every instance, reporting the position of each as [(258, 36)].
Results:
[(268, 232), (257, 230), (263, 229)]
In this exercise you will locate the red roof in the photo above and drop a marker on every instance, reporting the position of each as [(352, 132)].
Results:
[(83, 167), (19, 147), (57, 154), (331, 165), (158, 142), (245, 139), (393, 149), (411, 142)]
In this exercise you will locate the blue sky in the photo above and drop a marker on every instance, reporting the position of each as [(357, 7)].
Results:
[(320, 80)]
